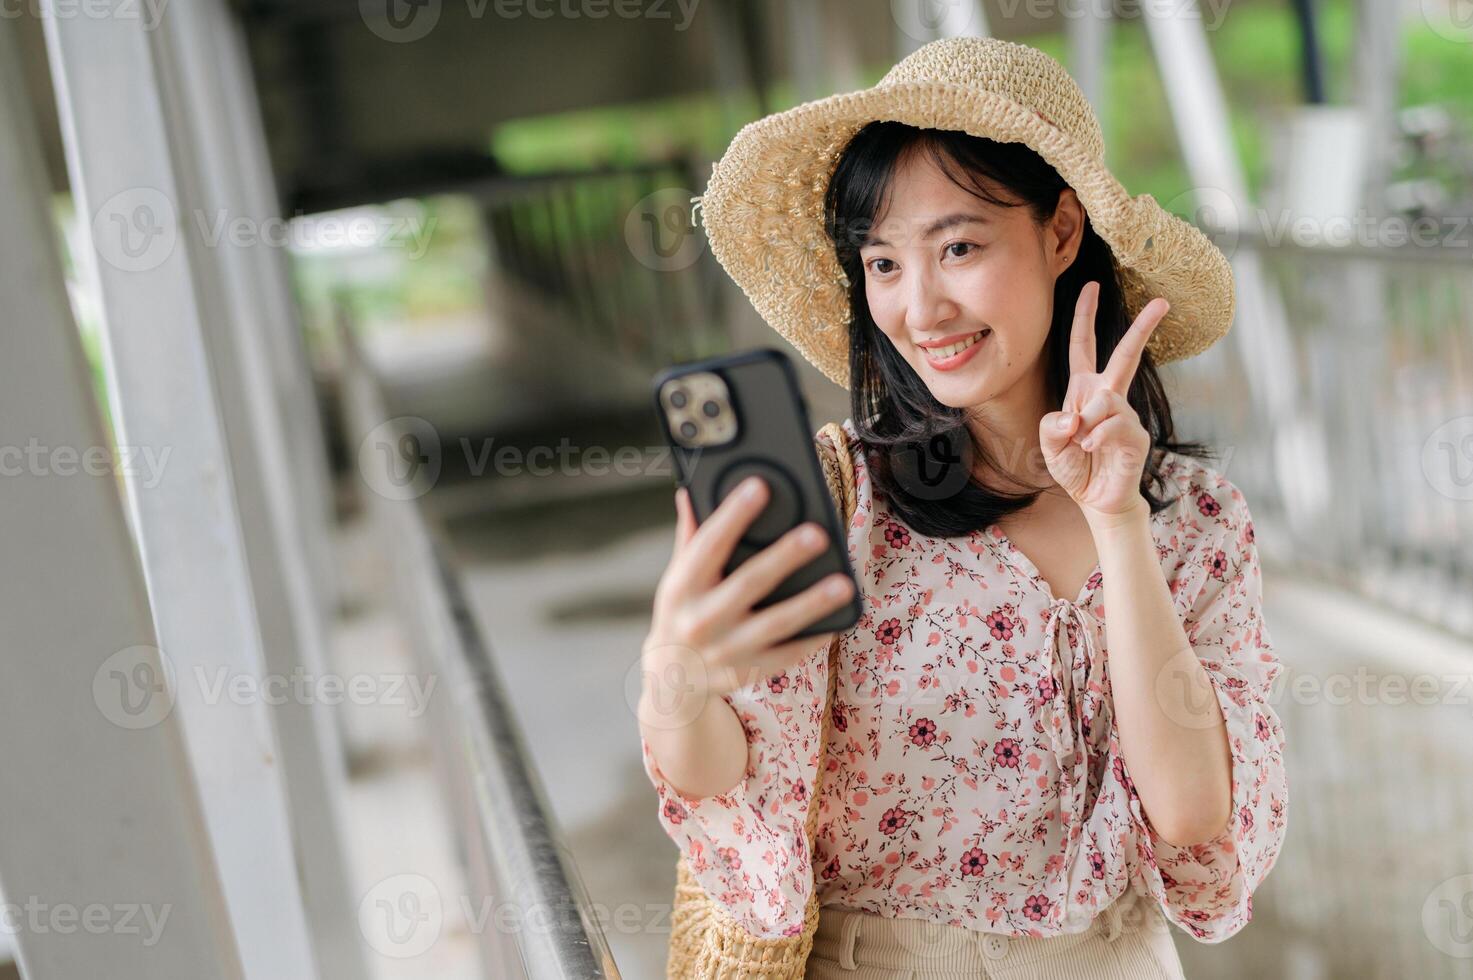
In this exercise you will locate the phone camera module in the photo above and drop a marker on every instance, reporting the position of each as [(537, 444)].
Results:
[(698, 410)]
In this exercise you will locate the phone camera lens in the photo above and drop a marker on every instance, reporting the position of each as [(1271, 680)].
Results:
[(677, 398), (688, 429), (711, 409)]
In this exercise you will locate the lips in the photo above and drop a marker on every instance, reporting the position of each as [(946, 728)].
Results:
[(950, 356)]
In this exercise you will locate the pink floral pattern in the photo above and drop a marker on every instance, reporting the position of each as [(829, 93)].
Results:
[(973, 773)]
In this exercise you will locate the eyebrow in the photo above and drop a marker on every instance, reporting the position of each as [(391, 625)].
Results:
[(941, 224)]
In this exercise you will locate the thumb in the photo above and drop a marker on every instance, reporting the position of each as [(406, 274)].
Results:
[(1054, 431)]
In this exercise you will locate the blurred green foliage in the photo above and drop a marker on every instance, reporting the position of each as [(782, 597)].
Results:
[(1255, 48)]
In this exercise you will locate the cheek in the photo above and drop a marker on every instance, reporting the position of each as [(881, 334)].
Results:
[(885, 308)]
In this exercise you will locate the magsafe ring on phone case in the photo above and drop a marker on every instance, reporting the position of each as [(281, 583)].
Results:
[(784, 501), (739, 415)]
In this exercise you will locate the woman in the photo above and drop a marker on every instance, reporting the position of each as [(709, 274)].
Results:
[(1052, 732)]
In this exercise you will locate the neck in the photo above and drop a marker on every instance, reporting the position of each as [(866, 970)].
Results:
[(1007, 427)]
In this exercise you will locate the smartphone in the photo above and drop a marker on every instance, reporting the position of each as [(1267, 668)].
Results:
[(740, 415)]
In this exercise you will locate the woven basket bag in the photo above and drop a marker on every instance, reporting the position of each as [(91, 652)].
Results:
[(706, 943)]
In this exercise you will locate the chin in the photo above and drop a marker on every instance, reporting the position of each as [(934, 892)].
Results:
[(958, 392)]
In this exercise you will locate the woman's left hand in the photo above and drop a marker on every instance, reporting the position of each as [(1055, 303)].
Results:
[(1095, 447)]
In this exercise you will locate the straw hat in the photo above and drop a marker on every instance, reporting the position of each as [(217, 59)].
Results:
[(763, 207)]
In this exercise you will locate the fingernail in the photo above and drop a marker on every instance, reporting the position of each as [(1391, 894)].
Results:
[(1064, 420), (751, 487), (837, 587)]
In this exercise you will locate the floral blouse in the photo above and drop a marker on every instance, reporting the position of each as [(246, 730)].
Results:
[(974, 775)]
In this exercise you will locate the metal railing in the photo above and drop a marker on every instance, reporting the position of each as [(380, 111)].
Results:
[(1365, 481), (616, 253), (503, 826), (1370, 476)]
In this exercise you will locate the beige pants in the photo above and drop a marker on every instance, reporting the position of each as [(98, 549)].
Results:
[(1130, 940)]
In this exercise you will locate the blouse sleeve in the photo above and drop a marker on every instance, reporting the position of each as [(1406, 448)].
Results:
[(1207, 888), (748, 847)]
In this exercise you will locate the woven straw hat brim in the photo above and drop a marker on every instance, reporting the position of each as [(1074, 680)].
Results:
[(763, 216)]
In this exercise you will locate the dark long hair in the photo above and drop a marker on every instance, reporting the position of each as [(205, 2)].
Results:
[(895, 414)]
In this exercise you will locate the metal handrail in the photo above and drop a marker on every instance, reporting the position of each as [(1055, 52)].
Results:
[(503, 821), (1382, 369)]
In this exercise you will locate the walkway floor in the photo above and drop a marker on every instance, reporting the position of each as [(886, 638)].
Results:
[(397, 823)]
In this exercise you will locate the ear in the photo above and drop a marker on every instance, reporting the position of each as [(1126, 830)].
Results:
[(1065, 231)]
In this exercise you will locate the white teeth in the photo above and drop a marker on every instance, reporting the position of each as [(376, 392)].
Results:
[(940, 353)]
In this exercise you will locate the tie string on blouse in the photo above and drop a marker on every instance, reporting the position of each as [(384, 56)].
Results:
[(1067, 719)]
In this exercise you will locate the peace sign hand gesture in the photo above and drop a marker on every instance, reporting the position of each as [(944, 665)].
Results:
[(1095, 447)]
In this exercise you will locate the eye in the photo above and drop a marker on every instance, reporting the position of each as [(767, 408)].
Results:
[(873, 266), (966, 245)]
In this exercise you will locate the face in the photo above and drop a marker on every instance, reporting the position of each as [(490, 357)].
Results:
[(963, 288)]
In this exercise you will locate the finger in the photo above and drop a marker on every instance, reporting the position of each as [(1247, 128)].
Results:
[(1082, 334), (1054, 430), (1126, 357), (685, 519), (781, 620), (1098, 407), (711, 546), (1113, 432), (1118, 445), (764, 571)]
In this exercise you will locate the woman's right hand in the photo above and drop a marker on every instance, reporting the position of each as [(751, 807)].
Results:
[(704, 631)]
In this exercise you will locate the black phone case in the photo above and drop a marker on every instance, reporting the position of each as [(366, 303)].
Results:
[(775, 441)]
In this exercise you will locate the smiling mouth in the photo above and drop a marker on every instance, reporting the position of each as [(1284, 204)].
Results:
[(951, 350)]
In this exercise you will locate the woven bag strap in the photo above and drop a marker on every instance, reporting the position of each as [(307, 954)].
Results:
[(838, 467)]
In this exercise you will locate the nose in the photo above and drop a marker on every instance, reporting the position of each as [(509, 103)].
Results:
[(927, 305)]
